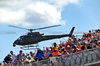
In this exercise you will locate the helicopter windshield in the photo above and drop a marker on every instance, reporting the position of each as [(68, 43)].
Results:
[(22, 37)]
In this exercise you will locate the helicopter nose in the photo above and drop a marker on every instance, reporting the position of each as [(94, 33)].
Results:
[(14, 45), (15, 42)]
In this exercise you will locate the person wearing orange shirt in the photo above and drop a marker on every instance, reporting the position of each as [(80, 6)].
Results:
[(55, 49), (79, 46), (96, 35), (1, 64), (89, 35)]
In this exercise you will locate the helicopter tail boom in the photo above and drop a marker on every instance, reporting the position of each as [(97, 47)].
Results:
[(71, 32)]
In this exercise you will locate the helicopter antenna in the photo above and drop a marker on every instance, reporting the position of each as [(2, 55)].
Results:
[(34, 29)]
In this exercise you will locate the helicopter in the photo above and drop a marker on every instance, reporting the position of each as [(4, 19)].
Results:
[(36, 37)]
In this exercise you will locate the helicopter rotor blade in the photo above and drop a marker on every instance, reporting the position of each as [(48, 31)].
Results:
[(18, 27), (46, 27), (34, 29)]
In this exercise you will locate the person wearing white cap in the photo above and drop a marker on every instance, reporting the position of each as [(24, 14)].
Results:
[(98, 44), (8, 59), (69, 49), (68, 46)]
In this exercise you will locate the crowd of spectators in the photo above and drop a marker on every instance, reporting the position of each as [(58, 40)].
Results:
[(73, 45)]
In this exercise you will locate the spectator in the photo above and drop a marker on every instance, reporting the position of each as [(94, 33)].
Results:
[(75, 42), (0, 64), (19, 57), (32, 60), (89, 35), (99, 36), (31, 54), (93, 45), (25, 60), (98, 44), (29, 59), (55, 49), (62, 49), (43, 57), (86, 45), (39, 54), (45, 52), (68, 43), (69, 50), (80, 41), (83, 46), (23, 55), (27, 54), (48, 53), (58, 53), (65, 54), (8, 59), (62, 44), (33, 57), (13, 56), (93, 36), (96, 41), (79, 46), (53, 60), (74, 50)]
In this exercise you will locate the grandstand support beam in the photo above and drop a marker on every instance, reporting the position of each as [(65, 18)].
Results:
[(60, 61), (83, 58)]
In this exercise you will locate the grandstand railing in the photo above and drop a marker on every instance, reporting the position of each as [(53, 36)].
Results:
[(76, 59), (81, 58)]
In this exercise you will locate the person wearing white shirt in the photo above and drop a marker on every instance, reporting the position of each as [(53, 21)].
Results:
[(13, 56)]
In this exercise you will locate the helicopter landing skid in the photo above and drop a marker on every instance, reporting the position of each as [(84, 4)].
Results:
[(30, 47)]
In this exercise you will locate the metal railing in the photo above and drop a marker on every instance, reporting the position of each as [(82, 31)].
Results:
[(81, 58), (76, 59)]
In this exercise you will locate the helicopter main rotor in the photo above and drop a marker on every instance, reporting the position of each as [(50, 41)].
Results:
[(34, 29)]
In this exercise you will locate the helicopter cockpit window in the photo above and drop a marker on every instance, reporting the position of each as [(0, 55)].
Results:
[(20, 38)]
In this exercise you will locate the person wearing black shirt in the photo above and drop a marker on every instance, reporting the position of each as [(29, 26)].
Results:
[(8, 59)]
